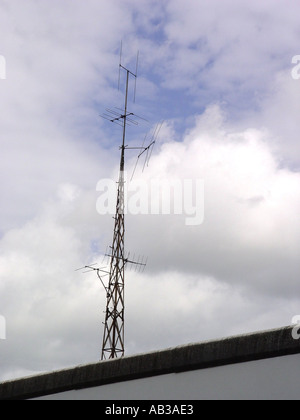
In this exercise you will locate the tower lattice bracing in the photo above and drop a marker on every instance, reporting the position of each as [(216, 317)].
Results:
[(113, 339)]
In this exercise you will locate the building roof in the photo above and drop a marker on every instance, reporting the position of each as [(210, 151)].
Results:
[(232, 350)]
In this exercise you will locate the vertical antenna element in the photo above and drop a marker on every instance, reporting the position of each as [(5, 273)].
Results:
[(136, 74), (120, 64)]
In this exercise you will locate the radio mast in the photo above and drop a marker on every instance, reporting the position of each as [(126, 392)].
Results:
[(113, 337)]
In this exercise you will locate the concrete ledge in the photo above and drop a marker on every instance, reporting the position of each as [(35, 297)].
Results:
[(244, 348)]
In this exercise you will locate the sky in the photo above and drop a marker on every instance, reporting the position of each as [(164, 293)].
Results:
[(219, 74)]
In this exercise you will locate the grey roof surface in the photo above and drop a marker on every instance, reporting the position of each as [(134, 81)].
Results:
[(243, 348)]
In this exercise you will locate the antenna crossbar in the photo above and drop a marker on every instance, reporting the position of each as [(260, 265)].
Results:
[(130, 72)]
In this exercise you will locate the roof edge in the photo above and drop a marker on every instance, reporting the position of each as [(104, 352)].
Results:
[(231, 350)]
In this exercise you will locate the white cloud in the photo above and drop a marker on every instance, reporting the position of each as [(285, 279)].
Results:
[(195, 308), (279, 111), (46, 303), (251, 225)]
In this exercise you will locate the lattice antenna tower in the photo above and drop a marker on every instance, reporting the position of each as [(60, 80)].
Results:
[(113, 337)]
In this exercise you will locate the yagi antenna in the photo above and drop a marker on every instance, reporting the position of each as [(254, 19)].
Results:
[(86, 266), (125, 118), (91, 268), (138, 264), (152, 144), (149, 149)]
